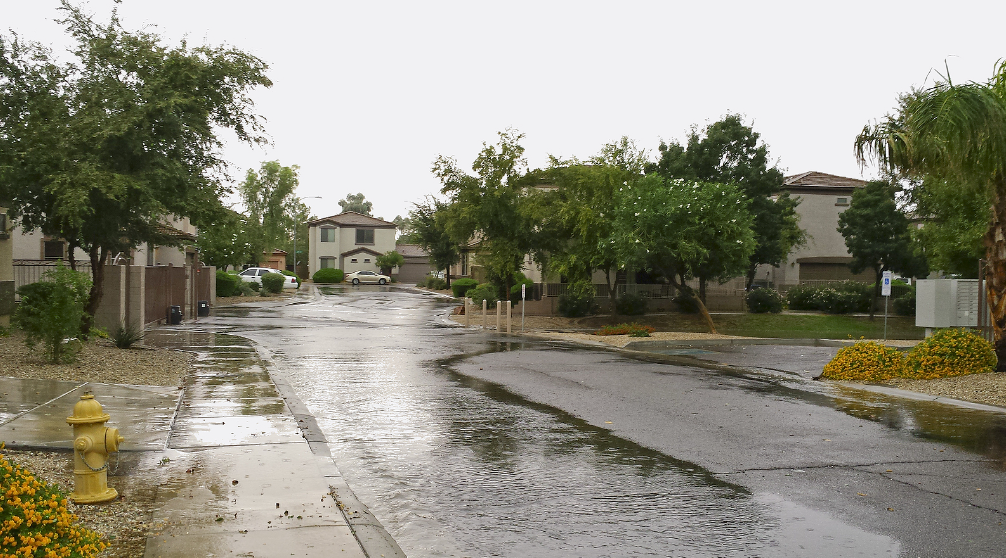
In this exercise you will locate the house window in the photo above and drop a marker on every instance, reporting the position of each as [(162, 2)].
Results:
[(353, 260), (54, 249), (366, 260), (842, 201), (464, 264), (327, 262), (327, 234), (364, 236)]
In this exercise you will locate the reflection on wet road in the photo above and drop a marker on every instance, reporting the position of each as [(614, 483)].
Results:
[(457, 466)]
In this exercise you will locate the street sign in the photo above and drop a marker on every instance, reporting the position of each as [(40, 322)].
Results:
[(523, 291), (885, 287)]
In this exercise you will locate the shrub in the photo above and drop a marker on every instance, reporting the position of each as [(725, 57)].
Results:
[(519, 279), (632, 330), (460, 287), (904, 305), (254, 285), (631, 304), (51, 309), (291, 274), (273, 282), (125, 335), (328, 275), (34, 520), (485, 291), (801, 297), (866, 361), (760, 301), (245, 289), (578, 300), (433, 282), (950, 352), (227, 284)]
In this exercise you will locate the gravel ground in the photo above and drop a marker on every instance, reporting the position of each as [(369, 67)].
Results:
[(126, 521)]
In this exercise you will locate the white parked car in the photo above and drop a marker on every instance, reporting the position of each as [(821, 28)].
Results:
[(358, 277), (254, 274)]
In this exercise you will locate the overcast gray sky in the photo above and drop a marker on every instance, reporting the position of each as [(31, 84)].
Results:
[(367, 94)]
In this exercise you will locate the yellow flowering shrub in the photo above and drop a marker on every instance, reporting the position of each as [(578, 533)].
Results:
[(34, 520), (866, 361), (950, 352)]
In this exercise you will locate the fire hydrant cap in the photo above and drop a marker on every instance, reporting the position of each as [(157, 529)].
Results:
[(87, 411)]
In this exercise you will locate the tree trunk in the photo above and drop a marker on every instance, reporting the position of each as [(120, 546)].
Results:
[(447, 275), (702, 289), (995, 273), (687, 291), (98, 257), (750, 278), (611, 288)]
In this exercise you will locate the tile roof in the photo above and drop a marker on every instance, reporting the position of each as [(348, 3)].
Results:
[(411, 251), (353, 219), (171, 232), (814, 179)]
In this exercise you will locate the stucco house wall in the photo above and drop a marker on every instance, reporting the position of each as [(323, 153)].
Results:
[(823, 197), (341, 248)]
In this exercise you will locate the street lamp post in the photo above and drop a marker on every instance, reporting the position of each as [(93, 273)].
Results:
[(295, 223)]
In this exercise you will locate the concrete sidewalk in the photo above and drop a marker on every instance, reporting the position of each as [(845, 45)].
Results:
[(240, 466)]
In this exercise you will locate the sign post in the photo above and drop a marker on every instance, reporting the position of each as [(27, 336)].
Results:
[(523, 296), (885, 291)]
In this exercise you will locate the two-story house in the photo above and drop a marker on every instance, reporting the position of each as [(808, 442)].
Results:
[(349, 241)]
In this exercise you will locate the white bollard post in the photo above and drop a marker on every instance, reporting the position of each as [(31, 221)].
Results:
[(499, 307), (468, 312), (485, 314), (509, 316)]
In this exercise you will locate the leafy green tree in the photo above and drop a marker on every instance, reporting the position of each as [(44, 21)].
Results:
[(389, 260), (955, 219), (679, 229), (955, 133), (267, 196), (406, 232), (100, 150), (223, 243), (429, 223), (878, 236), (492, 207), (357, 203), (582, 204), (729, 152), (51, 310)]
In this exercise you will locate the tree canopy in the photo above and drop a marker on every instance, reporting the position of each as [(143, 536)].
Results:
[(878, 235), (730, 152), (492, 207), (428, 221), (357, 203), (269, 196), (100, 150), (681, 229)]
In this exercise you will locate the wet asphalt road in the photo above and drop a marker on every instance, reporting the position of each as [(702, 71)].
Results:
[(465, 443)]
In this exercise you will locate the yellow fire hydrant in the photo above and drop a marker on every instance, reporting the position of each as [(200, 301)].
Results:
[(92, 442)]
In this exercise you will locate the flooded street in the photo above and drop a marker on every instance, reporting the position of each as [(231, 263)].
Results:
[(464, 443)]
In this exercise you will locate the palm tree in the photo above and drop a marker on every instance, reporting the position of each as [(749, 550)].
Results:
[(955, 133)]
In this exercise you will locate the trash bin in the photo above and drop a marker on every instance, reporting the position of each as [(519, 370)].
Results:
[(203, 308), (174, 315)]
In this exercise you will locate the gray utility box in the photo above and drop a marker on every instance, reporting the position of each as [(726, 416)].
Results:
[(946, 303)]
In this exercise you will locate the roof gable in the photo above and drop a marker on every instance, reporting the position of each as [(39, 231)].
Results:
[(358, 250), (353, 219), (820, 180)]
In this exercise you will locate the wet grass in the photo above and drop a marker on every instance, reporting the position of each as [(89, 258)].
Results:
[(783, 326)]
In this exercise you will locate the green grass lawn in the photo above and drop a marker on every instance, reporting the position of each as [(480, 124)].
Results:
[(792, 326)]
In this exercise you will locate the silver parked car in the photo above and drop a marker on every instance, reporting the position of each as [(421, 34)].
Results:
[(358, 277)]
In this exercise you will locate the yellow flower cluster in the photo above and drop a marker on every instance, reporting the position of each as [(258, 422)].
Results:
[(34, 520), (949, 352), (866, 361)]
